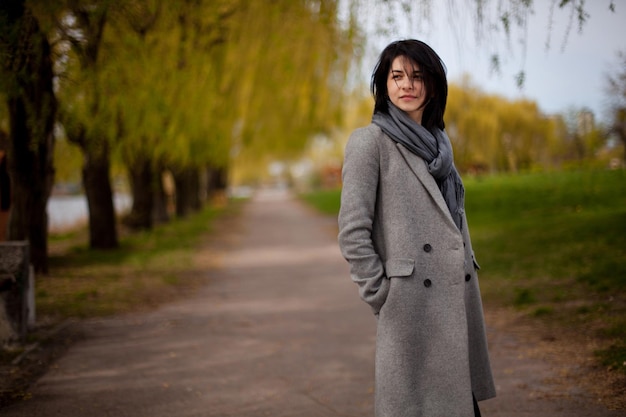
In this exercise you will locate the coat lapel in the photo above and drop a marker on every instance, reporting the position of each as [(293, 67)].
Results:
[(419, 168)]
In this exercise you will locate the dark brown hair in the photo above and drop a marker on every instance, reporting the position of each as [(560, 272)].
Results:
[(434, 73)]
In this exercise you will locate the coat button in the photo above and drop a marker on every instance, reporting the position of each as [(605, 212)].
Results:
[(427, 283), (468, 277), (427, 248)]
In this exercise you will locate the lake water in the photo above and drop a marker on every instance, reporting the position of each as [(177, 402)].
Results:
[(65, 212)]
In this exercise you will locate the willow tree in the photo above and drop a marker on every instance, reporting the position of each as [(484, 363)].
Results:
[(199, 108), (166, 88), (495, 134), (26, 79), (88, 122), (474, 128), (286, 68), (137, 65)]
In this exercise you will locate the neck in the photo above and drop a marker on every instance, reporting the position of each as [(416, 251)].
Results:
[(416, 116)]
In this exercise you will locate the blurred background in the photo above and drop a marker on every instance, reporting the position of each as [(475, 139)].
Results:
[(125, 126), (150, 107)]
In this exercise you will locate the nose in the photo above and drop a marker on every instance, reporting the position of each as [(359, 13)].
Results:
[(407, 83)]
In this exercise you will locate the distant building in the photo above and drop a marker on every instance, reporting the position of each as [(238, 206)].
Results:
[(585, 122)]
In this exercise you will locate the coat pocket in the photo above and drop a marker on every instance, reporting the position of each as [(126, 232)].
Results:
[(399, 267)]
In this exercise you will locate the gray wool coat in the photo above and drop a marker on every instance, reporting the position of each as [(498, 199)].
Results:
[(417, 271)]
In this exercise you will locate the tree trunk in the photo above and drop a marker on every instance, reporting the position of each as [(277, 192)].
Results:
[(141, 177), (32, 110), (160, 213), (195, 201), (217, 180), (85, 40), (97, 183), (187, 182), (31, 181)]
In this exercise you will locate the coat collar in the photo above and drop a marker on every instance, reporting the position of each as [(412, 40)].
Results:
[(419, 168)]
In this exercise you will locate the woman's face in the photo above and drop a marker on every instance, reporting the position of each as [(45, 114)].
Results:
[(405, 87)]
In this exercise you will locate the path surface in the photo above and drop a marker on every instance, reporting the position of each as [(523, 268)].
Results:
[(277, 331)]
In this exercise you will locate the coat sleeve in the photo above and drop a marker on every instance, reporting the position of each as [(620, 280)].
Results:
[(360, 173)]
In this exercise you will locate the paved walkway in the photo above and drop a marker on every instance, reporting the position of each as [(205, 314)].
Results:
[(277, 331)]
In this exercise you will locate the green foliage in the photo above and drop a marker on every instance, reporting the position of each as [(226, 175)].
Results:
[(494, 134), (194, 83), (67, 162), (228, 81), (285, 85)]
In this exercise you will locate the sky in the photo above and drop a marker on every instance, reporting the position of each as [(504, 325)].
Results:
[(571, 74)]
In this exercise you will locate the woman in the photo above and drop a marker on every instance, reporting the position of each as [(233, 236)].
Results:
[(403, 230)]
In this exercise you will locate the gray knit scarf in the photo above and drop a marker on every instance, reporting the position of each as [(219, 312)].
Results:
[(434, 148)]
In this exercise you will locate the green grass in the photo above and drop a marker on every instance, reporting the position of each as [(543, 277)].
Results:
[(552, 245), (326, 201), (566, 226), (147, 269)]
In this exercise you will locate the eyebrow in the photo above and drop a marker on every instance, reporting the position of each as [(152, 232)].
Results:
[(417, 71)]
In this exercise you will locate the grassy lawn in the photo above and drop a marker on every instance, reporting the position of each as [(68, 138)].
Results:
[(552, 246)]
